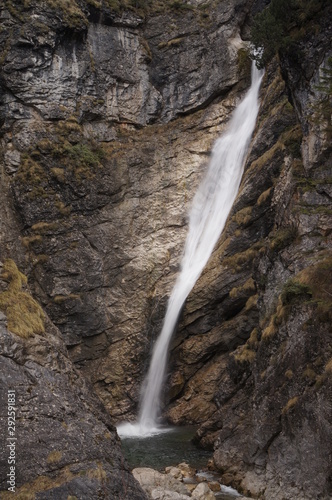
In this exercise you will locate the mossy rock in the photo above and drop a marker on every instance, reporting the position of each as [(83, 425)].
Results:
[(25, 317), (295, 292)]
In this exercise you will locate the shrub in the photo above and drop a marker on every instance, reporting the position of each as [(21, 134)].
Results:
[(281, 24), (24, 315), (295, 292)]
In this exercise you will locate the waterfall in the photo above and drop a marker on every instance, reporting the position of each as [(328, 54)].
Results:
[(210, 208)]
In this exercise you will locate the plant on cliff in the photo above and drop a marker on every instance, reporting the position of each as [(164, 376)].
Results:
[(294, 292), (24, 315), (281, 24)]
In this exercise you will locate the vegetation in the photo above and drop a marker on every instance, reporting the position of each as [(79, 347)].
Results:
[(246, 289), (245, 355), (280, 25), (290, 404), (243, 216), (318, 279), (295, 292), (282, 237), (245, 258), (54, 456), (24, 315)]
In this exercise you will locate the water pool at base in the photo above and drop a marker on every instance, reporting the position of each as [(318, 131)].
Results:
[(169, 448), (165, 449)]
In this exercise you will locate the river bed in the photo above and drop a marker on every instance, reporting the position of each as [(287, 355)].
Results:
[(170, 448)]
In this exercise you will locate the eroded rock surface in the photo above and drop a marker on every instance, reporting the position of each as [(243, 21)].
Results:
[(107, 119), (63, 442), (252, 358), (103, 201)]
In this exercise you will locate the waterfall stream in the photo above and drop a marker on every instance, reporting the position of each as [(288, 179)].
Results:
[(210, 208)]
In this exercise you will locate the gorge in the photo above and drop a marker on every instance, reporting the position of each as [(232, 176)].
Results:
[(108, 113)]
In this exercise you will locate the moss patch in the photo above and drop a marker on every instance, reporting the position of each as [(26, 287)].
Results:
[(24, 315), (295, 292), (54, 456), (290, 404), (237, 261), (318, 280), (281, 238), (247, 288)]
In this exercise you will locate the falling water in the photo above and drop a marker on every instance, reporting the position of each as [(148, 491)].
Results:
[(211, 206)]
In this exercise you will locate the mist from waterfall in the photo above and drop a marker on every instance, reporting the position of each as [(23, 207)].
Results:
[(210, 209)]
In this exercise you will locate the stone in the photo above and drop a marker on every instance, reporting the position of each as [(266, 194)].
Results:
[(107, 123), (55, 406), (151, 479), (203, 492), (174, 472), (214, 486), (162, 494)]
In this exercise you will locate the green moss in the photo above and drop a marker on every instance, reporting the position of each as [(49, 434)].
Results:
[(264, 197), (281, 238), (29, 241), (245, 355), (263, 161), (243, 259), (245, 289), (59, 299), (45, 227), (309, 374), (328, 367), (295, 292), (318, 278), (63, 209), (24, 315)]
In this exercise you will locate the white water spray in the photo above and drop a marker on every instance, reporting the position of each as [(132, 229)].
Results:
[(211, 206)]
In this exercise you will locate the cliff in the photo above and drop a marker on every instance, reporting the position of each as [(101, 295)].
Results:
[(107, 119)]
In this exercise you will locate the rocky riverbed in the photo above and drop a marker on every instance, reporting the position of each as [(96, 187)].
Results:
[(182, 482)]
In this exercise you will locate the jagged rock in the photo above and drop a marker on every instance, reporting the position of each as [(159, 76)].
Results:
[(65, 444), (161, 484), (203, 492), (104, 222), (107, 120)]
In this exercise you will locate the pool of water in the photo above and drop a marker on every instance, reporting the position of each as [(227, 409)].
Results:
[(165, 449)]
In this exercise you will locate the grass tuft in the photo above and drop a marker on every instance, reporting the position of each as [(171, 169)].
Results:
[(24, 315)]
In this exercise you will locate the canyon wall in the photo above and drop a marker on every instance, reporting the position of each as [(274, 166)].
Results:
[(107, 121)]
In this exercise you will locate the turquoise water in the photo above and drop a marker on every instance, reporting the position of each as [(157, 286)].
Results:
[(165, 449)]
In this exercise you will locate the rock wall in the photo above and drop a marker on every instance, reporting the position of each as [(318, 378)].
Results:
[(105, 131), (57, 440), (107, 119), (251, 362)]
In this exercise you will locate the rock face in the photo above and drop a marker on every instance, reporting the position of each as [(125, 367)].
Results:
[(102, 201), (107, 119), (252, 358), (58, 440)]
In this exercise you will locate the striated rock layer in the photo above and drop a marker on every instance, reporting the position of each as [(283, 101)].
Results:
[(252, 359), (107, 119), (102, 201), (57, 440)]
